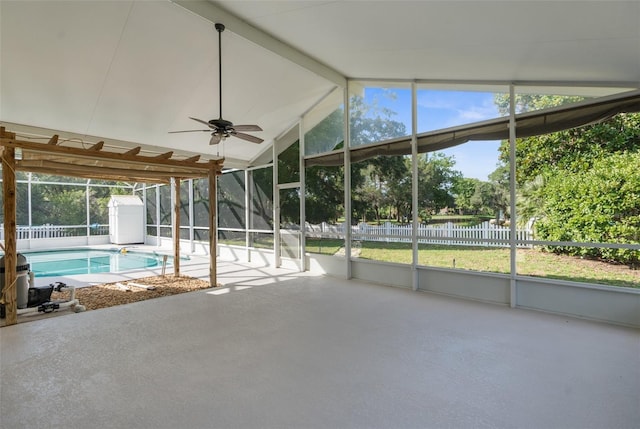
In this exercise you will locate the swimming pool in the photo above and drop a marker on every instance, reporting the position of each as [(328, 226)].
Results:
[(90, 261)]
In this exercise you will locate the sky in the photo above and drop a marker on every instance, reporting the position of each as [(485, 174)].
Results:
[(442, 109)]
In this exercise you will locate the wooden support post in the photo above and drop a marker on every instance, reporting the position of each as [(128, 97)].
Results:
[(176, 227), (9, 291)]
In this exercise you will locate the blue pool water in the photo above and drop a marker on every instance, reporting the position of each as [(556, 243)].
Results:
[(89, 261)]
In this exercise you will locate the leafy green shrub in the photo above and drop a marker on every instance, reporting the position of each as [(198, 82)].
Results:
[(599, 205)]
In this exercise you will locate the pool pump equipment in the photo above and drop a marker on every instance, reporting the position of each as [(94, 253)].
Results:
[(33, 299)]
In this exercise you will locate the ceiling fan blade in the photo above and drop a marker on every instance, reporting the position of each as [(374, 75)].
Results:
[(201, 121), (247, 128), (247, 137), (215, 139), (188, 131)]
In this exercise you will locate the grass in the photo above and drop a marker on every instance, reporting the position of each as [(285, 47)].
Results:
[(532, 262), (325, 246)]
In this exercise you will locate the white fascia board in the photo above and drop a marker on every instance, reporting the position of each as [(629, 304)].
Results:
[(213, 13)]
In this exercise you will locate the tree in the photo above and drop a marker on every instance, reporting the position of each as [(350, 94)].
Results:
[(531, 102), (261, 204), (399, 196), (437, 179), (389, 181), (231, 202), (324, 186), (370, 178), (371, 192), (599, 205), (463, 189), (500, 180), (66, 206), (573, 149), (381, 185), (530, 201), (99, 197), (327, 135), (324, 194), (484, 199), (372, 123), (63, 200), (569, 181)]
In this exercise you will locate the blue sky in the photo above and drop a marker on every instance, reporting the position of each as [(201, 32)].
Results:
[(441, 109)]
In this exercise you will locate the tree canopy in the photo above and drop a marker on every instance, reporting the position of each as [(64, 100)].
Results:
[(381, 186), (598, 205), (579, 184), (62, 200)]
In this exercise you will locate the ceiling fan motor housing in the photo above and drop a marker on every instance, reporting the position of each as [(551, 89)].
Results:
[(221, 124)]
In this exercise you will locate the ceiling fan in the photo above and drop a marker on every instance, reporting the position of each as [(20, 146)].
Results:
[(222, 128)]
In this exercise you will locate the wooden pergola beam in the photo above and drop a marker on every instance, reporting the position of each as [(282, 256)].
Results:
[(95, 163), (99, 175), (165, 155), (128, 158), (90, 171), (97, 147), (134, 151)]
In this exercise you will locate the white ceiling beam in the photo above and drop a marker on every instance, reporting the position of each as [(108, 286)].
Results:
[(213, 13)]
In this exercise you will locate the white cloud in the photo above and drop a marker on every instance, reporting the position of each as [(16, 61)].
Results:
[(476, 113), (456, 108)]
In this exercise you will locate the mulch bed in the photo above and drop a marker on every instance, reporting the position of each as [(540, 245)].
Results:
[(111, 294)]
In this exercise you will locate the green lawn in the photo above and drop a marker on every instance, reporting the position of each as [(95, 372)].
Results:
[(531, 262)]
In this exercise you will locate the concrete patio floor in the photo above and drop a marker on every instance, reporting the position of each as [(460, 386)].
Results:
[(273, 348)]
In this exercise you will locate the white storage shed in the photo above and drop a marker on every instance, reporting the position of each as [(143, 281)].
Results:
[(126, 219)]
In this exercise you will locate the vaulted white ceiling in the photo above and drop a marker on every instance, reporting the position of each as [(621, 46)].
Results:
[(131, 71)]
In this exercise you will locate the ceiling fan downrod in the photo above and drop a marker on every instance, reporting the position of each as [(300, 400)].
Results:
[(220, 29), (222, 129)]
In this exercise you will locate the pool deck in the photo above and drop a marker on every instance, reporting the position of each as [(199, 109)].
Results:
[(193, 265), (275, 348)]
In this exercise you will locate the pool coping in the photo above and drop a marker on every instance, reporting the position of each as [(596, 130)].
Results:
[(190, 264), (40, 262)]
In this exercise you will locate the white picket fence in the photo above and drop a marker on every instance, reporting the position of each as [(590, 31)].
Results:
[(54, 231), (484, 234)]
